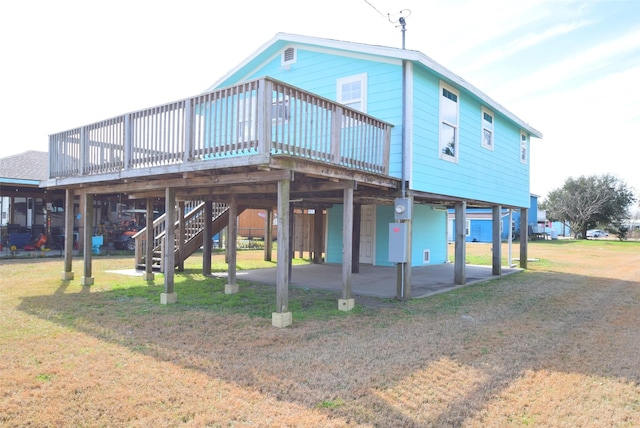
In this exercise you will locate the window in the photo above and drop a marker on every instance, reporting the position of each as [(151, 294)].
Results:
[(524, 144), (467, 228), (289, 56), (487, 129), (448, 123), (352, 92), (280, 110)]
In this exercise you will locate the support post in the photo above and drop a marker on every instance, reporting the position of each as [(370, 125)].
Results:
[(232, 286), (207, 244), (67, 274), (268, 236), (87, 278), (510, 240), (459, 272), (496, 259), (318, 238), (355, 255), (347, 301), (181, 236), (282, 317), (169, 262), (148, 247), (524, 237)]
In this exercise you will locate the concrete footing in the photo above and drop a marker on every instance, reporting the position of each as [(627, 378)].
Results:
[(67, 276), (168, 298), (281, 319), (86, 280), (346, 304), (231, 288)]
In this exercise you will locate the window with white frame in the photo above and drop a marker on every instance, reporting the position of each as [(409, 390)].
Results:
[(467, 230), (289, 56), (487, 129), (280, 109), (352, 92), (524, 144), (449, 116)]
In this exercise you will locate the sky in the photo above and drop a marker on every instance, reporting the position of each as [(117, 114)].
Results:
[(571, 69)]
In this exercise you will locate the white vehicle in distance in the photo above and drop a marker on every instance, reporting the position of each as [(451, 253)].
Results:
[(596, 233)]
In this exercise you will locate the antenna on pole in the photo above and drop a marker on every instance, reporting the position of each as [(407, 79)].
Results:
[(404, 13)]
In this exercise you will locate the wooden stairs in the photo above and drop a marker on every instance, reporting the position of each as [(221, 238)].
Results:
[(192, 239)]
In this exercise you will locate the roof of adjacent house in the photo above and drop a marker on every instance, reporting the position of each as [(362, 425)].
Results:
[(282, 40), (30, 165)]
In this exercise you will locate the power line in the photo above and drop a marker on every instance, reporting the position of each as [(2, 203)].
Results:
[(375, 8)]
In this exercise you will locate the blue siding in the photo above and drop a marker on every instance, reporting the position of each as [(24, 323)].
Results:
[(429, 233), (495, 176), (384, 87)]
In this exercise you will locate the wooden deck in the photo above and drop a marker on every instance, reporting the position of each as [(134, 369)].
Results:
[(258, 126)]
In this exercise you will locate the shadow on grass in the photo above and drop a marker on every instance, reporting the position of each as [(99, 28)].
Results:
[(360, 360)]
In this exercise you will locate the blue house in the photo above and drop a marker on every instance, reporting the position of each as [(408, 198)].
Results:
[(383, 141), (479, 223)]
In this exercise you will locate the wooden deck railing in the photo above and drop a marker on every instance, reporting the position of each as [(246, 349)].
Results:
[(259, 117)]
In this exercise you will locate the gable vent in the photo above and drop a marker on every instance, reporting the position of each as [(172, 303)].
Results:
[(289, 56)]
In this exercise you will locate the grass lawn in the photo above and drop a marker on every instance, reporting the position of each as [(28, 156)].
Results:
[(556, 345)]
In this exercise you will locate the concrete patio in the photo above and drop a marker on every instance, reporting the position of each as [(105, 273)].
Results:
[(375, 281)]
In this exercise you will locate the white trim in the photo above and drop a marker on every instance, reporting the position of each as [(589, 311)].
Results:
[(383, 53), (524, 144), (362, 80), (487, 127), (455, 125)]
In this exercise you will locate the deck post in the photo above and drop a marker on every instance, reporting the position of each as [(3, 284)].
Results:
[(87, 278), (318, 240), (148, 249), (67, 274), (169, 261), (524, 237), (459, 273), (232, 285), (268, 235), (355, 255), (347, 302), (282, 317), (206, 237), (181, 236), (496, 259)]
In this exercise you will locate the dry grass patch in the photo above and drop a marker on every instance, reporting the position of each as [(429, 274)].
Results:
[(556, 345)]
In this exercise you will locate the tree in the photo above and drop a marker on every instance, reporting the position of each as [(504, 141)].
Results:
[(587, 202)]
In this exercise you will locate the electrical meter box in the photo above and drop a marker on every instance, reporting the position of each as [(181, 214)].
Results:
[(398, 242), (402, 209)]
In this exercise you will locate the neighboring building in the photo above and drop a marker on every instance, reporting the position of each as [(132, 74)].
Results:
[(383, 140), (27, 211)]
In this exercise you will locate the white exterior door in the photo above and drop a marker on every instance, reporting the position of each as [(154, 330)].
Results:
[(367, 234)]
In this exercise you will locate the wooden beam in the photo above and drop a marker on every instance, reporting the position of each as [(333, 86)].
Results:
[(459, 274), (69, 216), (347, 243), (232, 243), (318, 236), (268, 235), (181, 236), (524, 237), (355, 256), (152, 183), (87, 221), (169, 262), (282, 273), (207, 244), (148, 249), (496, 259)]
